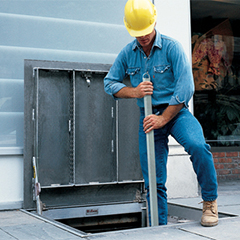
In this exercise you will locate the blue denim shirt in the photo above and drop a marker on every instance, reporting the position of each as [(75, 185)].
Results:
[(167, 65)]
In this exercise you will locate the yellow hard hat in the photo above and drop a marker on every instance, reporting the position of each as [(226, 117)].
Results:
[(139, 17)]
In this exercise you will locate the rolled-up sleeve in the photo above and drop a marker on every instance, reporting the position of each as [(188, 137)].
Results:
[(184, 84), (113, 82)]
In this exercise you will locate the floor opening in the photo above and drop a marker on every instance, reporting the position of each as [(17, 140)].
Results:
[(105, 223), (116, 222)]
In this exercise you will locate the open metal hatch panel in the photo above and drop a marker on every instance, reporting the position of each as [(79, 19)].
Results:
[(84, 143)]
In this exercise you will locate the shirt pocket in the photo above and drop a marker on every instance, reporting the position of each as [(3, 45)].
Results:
[(134, 74), (163, 76)]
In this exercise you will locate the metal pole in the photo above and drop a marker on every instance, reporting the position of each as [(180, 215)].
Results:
[(151, 160)]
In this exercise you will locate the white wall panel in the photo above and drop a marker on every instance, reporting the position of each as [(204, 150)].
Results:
[(11, 181)]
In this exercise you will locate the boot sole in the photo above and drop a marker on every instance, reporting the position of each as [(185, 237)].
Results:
[(209, 224)]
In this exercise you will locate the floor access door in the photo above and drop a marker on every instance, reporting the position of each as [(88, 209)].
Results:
[(85, 143)]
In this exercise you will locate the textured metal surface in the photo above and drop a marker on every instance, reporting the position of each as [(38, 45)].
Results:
[(128, 157), (95, 130), (53, 135), (128, 149)]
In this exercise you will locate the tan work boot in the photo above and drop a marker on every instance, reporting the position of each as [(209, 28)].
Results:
[(210, 214)]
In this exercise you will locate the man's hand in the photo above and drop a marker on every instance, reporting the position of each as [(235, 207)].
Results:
[(154, 121), (143, 89)]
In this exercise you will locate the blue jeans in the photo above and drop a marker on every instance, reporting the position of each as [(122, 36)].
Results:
[(188, 132)]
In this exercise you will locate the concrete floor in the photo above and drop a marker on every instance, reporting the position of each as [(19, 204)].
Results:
[(20, 225)]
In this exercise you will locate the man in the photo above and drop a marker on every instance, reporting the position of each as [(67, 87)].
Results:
[(171, 88)]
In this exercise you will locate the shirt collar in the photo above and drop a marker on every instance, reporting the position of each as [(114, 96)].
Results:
[(157, 42)]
